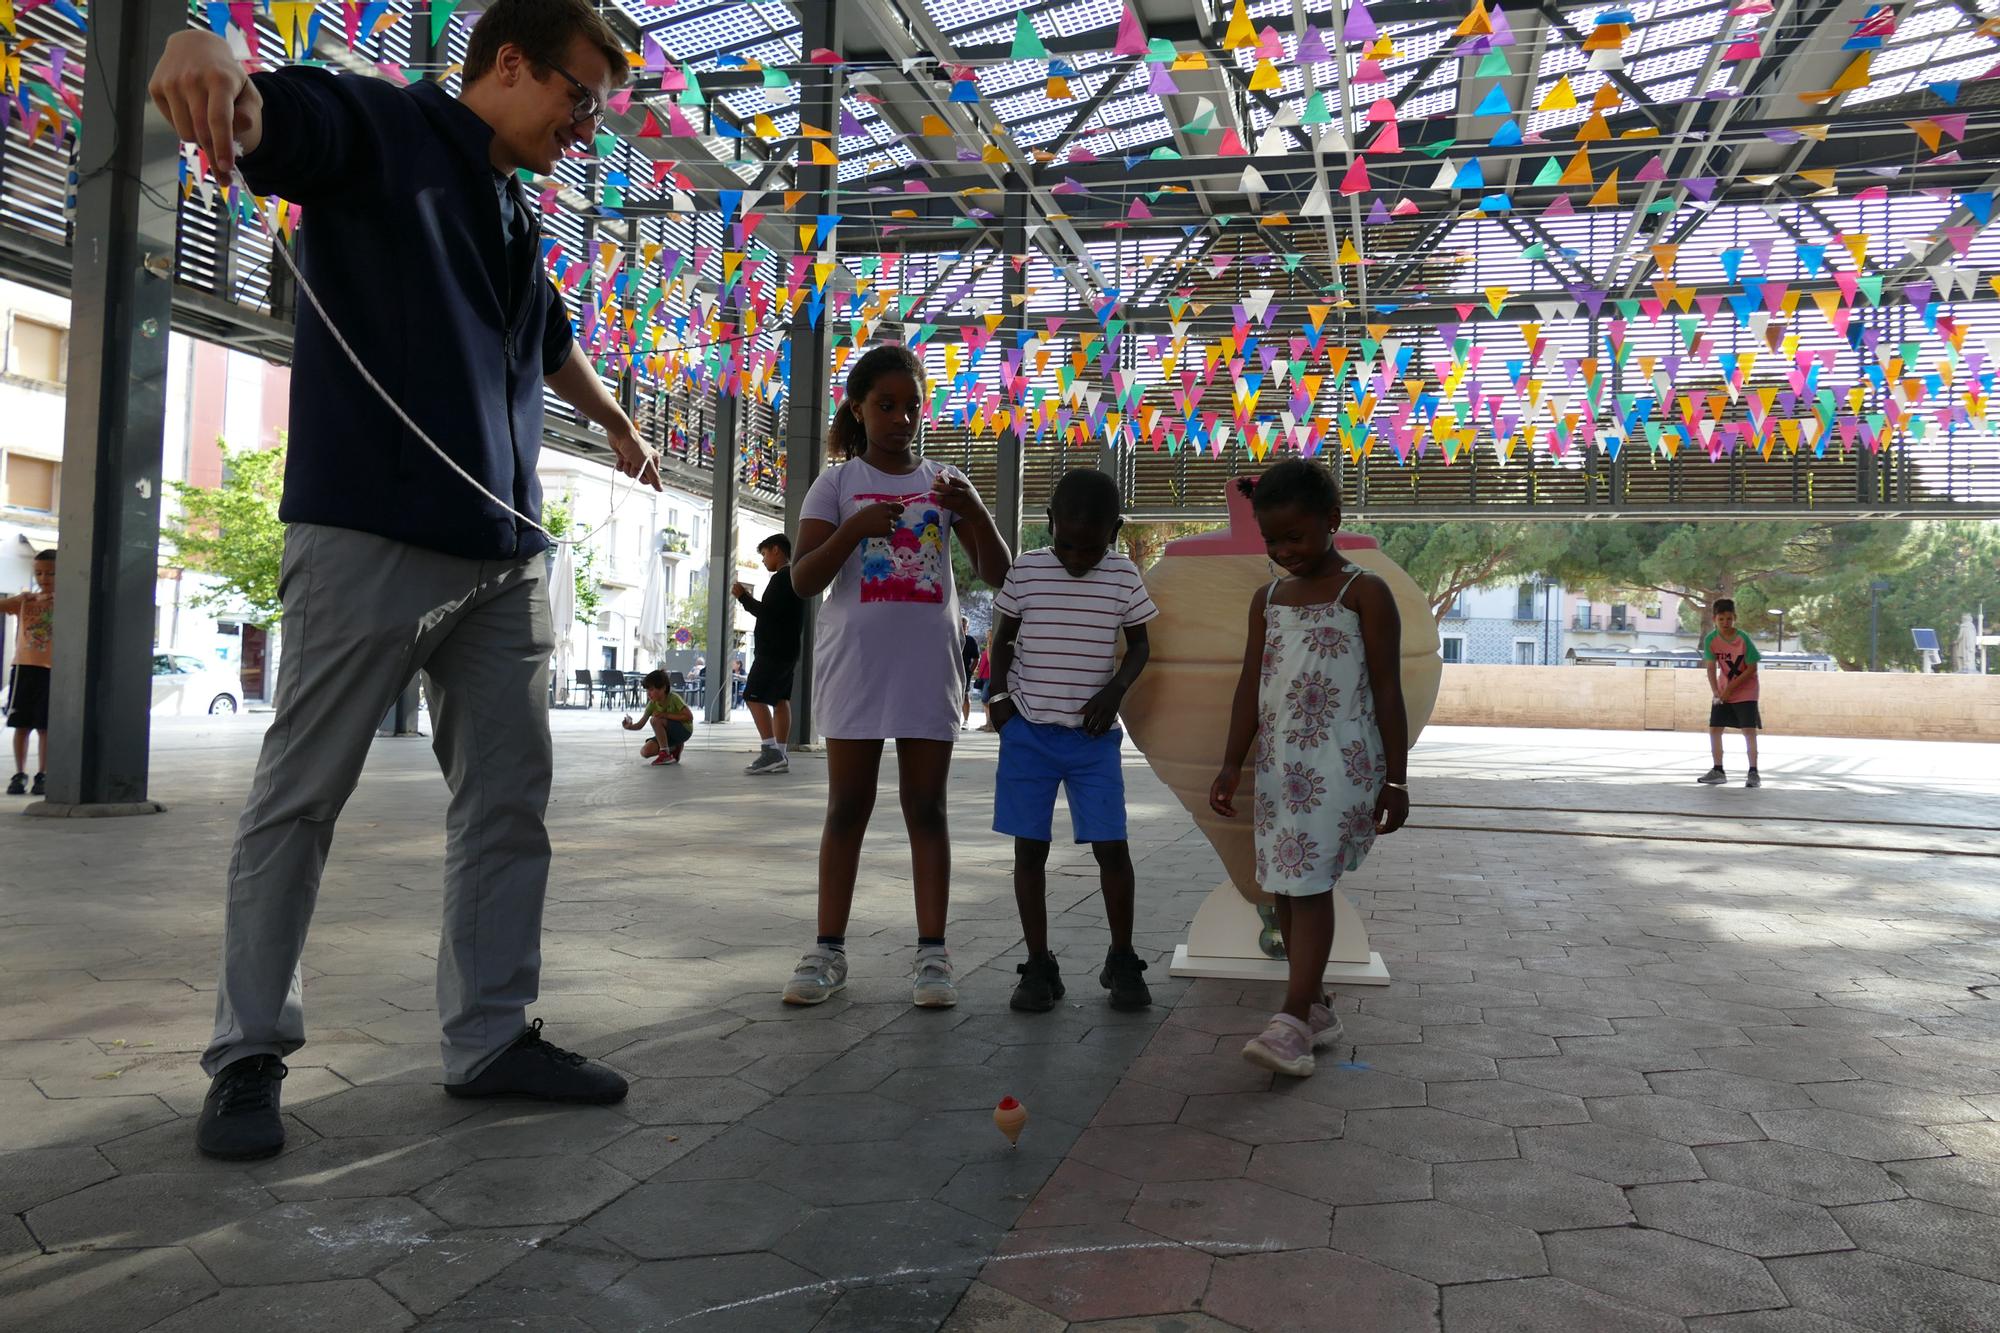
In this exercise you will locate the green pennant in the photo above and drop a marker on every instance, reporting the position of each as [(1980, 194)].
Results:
[(1316, 112), (1870, 286), (1493, 65), (1291, 262), (1436, 150), (1690, 328), (1535, 251), (1164, 154), (1550, 174)]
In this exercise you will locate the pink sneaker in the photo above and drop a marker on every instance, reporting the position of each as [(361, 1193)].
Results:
[(1285, 1046), (1326, 1026)]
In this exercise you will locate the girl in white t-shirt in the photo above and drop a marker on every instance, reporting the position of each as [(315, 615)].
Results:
[(886, 665)]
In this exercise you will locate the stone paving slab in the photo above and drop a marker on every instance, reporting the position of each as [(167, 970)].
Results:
[(1646, 1082)]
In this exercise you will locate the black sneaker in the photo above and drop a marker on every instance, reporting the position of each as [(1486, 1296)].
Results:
[(1121, 977), (1715, 777), (41, 786), (18, 785), (535, 1069), (239, 1117), (1753, 780), (1040, 986)]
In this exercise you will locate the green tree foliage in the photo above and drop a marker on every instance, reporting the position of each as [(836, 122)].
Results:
[(1447, 559), (1939, 572), (1763, 564), (691, 613), (232, 534), (556, 518)]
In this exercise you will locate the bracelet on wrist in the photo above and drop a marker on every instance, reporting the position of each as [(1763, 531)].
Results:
[(1403, 787)]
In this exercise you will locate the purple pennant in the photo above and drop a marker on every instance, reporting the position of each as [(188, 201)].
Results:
[(1591, 298), (1312, 47), (1917, 293), (1379, 213), (1701, 187), (1787, 402), (1673, 367), (1360, 24)]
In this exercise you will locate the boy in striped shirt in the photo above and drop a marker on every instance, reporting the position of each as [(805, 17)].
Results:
[(1057, 686)]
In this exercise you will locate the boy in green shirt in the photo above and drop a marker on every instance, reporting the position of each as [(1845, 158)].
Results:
[(668, 715), (1731, 661)]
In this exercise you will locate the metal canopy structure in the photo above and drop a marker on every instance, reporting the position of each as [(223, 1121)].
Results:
[(1471, 325)]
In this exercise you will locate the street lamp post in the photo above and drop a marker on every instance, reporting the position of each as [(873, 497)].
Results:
[(1781, 629), (1875, 590)]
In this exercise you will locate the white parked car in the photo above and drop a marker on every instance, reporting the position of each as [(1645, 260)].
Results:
[(184, 685)]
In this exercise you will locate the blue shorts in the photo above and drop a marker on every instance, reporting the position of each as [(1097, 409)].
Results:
[(1035, 759)]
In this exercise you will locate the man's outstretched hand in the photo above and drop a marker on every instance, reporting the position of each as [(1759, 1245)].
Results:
[(202, 90)]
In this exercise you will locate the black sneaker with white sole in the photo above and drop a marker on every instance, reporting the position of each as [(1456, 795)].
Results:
[(40, 786), (239, 1117), (18, 785), (544, 1072)]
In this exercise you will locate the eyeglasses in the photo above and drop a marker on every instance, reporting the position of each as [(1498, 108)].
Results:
[(586, 108)]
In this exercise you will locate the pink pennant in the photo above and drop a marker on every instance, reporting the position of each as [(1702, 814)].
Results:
[(1131, 37)]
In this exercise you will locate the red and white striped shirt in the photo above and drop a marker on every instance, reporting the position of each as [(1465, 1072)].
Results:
[(1067, 647)]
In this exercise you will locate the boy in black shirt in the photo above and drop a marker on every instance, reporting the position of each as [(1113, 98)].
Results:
[(780, 627)]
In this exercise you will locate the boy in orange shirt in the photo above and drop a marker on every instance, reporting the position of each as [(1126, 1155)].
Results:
[(28, 686)]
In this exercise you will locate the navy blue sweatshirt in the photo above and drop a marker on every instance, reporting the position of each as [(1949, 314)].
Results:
[(403, 241)]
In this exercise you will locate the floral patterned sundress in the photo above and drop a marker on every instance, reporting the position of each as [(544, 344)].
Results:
[(1320, 765)]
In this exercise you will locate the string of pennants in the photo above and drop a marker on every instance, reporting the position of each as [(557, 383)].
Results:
[(1293, 378)]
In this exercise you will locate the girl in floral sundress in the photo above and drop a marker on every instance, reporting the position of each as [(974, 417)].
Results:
[(1322, 698)]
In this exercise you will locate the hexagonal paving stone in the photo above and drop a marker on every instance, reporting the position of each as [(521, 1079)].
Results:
[(1231, 1215), (1789, 1320), (1258, 1117), (677, 1219), (1224, 1071), (1506, 1102), (1574, 1075), (1438, 1242), (1426, 1063), (1958, 1181), (128, 1212), (1878, 1292), (384, 1108), (1798, 1173), (1674, 1120), (36, 1175), (1747, 1221), (538, 1131), (1658, 1271), (351, 1306), (456, 1262), (358, 1167), (1001, 1191), (1734, 1092), (524, 1191), (1850, 1135), (1772, 1062), (1977, 1141), (314, 1241), (1888, 1101), (1353, 1089), (1298, 1292), (1532, 1193), (684, 1057), (732, 1293), (1431, 1135), (1078, 1194), (947, 1087), (831, 1173), (893, 1307), (1610, 1154), (1104, 1271), (1928, 1233), (844, 1117), (1928, 1075), (1341, 1172), (1545, 1305), (1140, 1104), (691, 1101), (112, 1291), (855, 1239), (1162, 1152)]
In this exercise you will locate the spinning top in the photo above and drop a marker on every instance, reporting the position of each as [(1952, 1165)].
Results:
[(1008, 1117)]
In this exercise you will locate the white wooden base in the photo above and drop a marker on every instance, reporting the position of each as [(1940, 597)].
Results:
[(1374, 972), (1222, 942)]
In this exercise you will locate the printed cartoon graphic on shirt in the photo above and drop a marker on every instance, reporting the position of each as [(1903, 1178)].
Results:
[(910, 564), (38, 623)]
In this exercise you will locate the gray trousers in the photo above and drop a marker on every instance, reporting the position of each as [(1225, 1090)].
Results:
[(362, 615)]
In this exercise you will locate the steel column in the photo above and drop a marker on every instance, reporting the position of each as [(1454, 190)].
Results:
[(1007, 499), (806, 394), (722, 557), (121, 311)]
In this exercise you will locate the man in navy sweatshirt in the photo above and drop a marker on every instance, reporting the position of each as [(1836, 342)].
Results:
[(418, 239)]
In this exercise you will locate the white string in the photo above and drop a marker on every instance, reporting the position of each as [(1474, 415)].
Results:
[(305, 288)]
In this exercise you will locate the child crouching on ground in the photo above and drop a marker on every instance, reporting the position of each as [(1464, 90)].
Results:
[(668, 715)]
